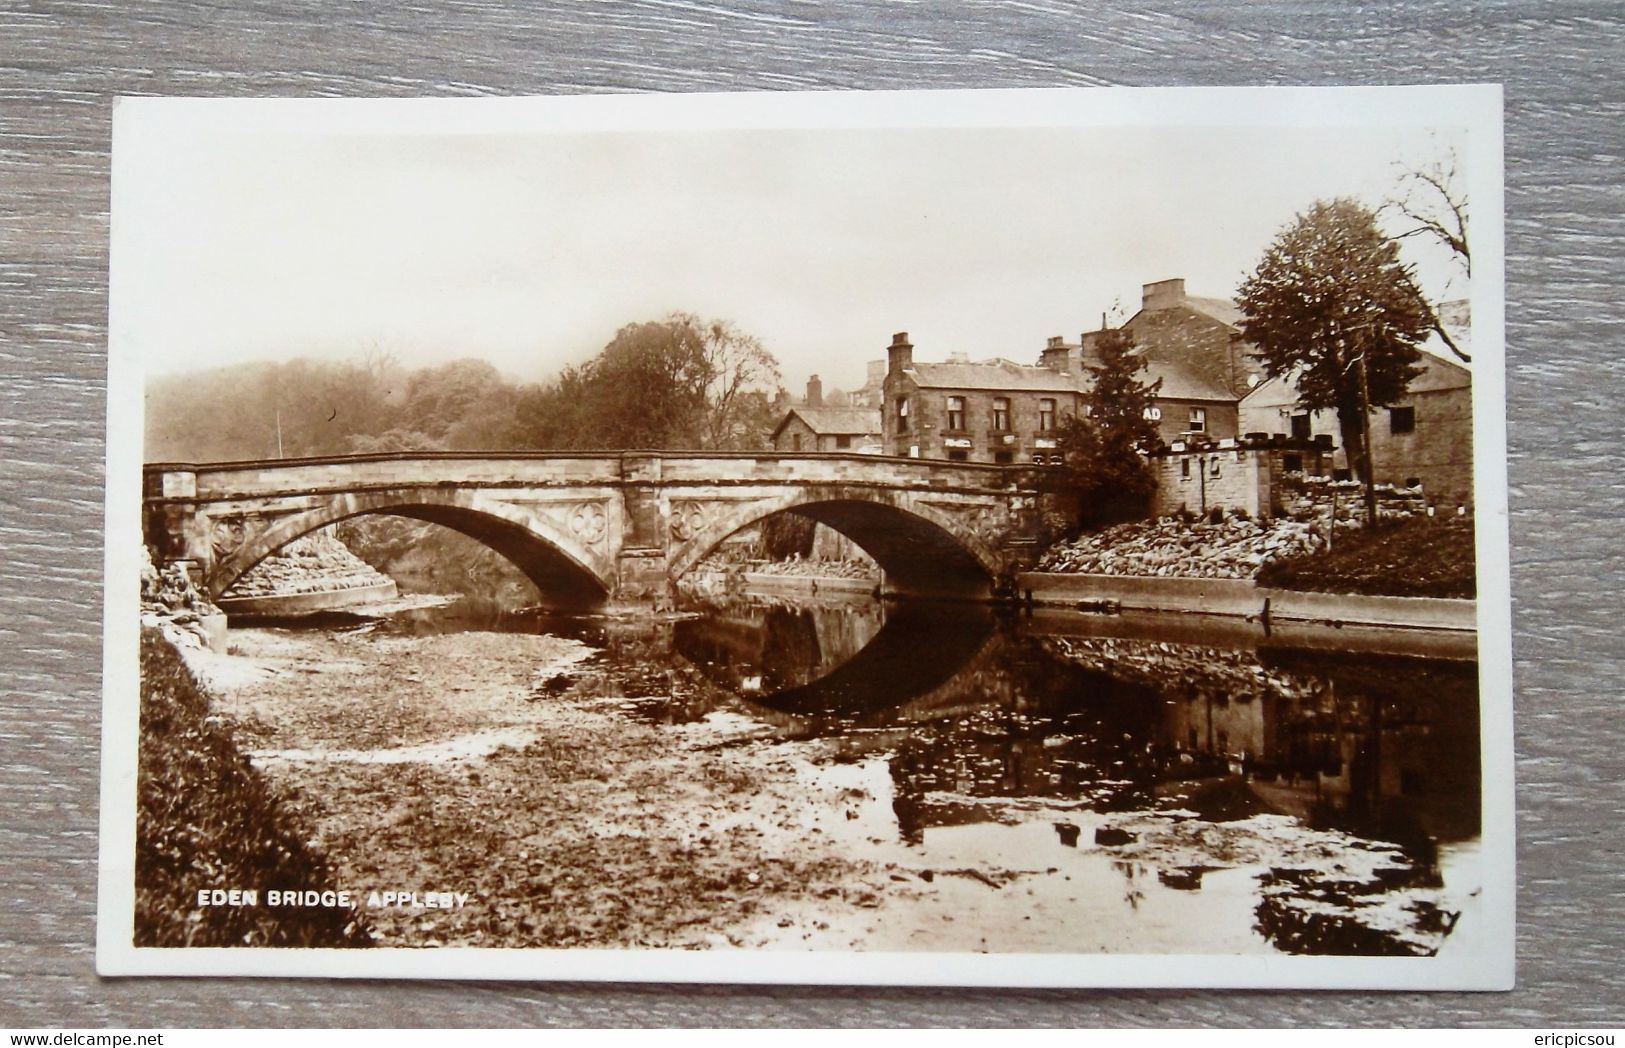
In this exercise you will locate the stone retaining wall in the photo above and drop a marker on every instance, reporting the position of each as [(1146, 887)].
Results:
[(1243, 598)]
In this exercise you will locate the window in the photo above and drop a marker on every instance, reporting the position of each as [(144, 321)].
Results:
[(956, 414), (902, 414), (1198, 420), (1292, 463), (1300, 426), (958, 455), (1046, 415), (795, 442), (1004, 458), (1402, 420), (843, 441), (1001, 414), (1185, 469)]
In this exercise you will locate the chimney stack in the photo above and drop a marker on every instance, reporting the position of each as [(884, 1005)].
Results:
[(815, 392), (1164, 294), (900, 354)]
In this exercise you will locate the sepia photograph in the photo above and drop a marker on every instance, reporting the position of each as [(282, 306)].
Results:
[(1036, 538)]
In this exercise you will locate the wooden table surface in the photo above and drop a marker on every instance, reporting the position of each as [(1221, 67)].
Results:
[(61, 64)]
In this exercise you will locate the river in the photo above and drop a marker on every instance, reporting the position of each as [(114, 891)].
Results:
[(855, 775)]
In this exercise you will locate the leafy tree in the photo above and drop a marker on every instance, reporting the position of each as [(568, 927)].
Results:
[(464, 405), (1103, 449), (1332, 306), (674, 383)]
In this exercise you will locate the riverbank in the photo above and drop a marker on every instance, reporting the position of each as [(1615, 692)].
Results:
[(456, 764), (593, 789), (207, 820), (1410, 555)]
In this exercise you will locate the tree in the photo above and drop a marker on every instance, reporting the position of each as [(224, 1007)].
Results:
[(674, 383), (741, 388), (1429, 203), (1103, 449), (1332, 306)]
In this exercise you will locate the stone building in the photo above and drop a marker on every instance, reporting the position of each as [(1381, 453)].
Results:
[(988, 411), (1002, 411), (1194, 344), (811, 426), (1199, 475), (1426, 439)]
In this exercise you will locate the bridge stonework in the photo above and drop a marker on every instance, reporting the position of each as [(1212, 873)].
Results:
[(615, 528)]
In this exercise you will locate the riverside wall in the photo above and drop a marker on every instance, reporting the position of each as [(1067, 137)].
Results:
[(1242, 598)]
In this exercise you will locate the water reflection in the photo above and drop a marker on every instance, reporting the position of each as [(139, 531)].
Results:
[(842, 664), (987, 722), (1312, 800)]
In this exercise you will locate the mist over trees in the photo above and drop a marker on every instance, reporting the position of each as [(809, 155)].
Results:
[(676, 383)]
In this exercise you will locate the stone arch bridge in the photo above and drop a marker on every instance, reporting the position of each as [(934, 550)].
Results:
[(613, 528)]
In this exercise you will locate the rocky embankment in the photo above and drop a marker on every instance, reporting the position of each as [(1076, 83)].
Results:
[(817, 568), (170, 603), (1235, 546), (316, 563)]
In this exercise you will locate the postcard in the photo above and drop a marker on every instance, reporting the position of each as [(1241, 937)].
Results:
[(997, 538)]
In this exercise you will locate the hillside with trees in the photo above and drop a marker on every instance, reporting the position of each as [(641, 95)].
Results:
[(678, 383)]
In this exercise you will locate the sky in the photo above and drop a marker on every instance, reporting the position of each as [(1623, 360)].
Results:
[(236, 242)]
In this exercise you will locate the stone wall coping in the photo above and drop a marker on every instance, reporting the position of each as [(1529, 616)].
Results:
[(153, 468), (1253, 442)]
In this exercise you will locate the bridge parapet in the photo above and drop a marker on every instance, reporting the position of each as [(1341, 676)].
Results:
[(227, 480), (619, 524)]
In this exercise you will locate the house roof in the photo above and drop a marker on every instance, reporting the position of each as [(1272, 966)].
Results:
[(1181, 383), (1437, 373), (991, 374), (834, 421), (1220, 309)]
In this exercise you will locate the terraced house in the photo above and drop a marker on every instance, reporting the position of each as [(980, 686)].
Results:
[(1002, 411), (1213, 389)]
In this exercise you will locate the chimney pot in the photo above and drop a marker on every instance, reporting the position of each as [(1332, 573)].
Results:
[(900, 354)]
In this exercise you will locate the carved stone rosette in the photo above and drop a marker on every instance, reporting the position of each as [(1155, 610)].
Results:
[(589, 523), (227, 535), (689, 517)]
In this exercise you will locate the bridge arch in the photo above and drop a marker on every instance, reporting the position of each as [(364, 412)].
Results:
[(925, 548), (560, 567)]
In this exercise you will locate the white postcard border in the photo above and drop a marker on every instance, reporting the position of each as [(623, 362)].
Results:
[(1475, 107)]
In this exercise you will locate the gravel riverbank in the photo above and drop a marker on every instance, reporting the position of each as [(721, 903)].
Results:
[(445, 764)]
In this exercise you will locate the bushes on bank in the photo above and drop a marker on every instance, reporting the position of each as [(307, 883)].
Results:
[(1416, 557), (206, 819)]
